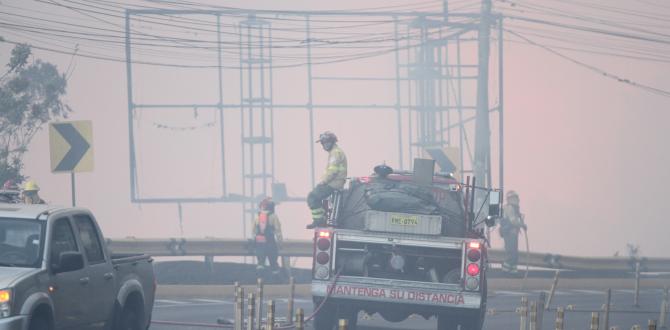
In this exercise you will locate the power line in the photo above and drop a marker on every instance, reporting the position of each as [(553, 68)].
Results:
[(602, 72)]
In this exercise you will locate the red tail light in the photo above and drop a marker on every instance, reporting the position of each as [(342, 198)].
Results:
[(474, 255), (473, 269), (323, 244), (322, 258)]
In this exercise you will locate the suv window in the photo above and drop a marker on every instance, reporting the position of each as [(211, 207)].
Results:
[(62, 239), (89, 238)]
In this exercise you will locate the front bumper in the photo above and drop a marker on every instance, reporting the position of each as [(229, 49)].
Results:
[(398, 291), (19, 322)]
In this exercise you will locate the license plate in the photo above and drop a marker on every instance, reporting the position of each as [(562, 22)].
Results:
[(404, 220)]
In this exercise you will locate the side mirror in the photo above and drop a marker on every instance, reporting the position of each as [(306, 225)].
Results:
[(69, 261), (494, 204)]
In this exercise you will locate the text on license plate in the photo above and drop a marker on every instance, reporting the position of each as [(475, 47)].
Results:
[(404, 220)]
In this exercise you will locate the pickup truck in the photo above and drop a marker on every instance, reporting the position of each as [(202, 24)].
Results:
[(56, 273), (397, 247)]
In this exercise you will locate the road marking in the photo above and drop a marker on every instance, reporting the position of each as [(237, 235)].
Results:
[(213, 301), (588, 291), (171, 302), (511, 293)]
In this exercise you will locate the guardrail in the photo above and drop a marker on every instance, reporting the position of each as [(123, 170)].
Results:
[(302, 248)]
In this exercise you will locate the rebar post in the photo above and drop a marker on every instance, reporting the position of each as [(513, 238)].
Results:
[(236, 293), (664, 310), (533, 315), (560, 318), (595, 322), (523, 312), (270, 318), (300, 319), (343, 324), (239, 309), (259, 304), (540, 310), (608, 303), (291, 297), (251, 308), (636, 302)]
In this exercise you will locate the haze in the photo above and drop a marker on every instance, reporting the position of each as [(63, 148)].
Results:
[(587, 153)]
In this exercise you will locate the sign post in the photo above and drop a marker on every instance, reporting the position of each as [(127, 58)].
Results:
[(71, 150)]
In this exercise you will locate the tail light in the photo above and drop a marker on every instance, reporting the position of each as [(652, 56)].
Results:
[(473, 265), (473, 269), (322, 253), (474, 255)]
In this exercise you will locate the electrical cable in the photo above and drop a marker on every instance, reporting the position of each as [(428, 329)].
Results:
[(647, 88)]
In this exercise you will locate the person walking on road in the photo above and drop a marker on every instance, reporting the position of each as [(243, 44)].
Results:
[(267, 235), (333, 179), (510, 225)]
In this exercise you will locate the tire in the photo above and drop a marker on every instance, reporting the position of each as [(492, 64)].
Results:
[(129, 320), (474, 322), (446, 322), (39, 323), (325, 318)]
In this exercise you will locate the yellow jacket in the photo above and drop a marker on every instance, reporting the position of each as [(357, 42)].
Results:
[(336, 171)]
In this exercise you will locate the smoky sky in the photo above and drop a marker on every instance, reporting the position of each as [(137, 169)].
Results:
[(586, 151)]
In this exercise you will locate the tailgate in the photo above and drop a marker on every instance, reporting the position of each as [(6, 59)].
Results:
[(396, 268), (397, 291)]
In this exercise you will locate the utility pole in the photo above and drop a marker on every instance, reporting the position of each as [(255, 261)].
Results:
[(482, 129)]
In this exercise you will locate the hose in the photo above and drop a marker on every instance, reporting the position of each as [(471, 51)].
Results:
[(525, 276), (318, 308)]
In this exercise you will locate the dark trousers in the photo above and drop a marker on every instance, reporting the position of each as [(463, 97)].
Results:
[(318, 194), (267, 251), (511, 249)]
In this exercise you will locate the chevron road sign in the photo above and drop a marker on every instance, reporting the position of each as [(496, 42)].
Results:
[(71, 146)]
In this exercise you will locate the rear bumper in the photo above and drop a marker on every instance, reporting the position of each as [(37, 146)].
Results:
[(19, 322), (397, 291)]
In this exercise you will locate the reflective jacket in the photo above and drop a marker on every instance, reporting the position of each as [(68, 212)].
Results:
[(336, 172), (267, 228), (512, 220)]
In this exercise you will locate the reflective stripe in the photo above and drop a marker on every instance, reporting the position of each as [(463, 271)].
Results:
[(319, 211)]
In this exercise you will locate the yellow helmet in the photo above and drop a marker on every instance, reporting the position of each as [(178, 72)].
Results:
[(31, 186)]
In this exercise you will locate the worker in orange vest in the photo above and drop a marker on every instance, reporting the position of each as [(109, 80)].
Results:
[(267, 235)]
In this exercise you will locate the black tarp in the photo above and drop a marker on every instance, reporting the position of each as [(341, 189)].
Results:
[(405, 197)]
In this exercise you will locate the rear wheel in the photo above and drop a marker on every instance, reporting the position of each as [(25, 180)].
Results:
[(39, 323), (475, 322), (446, 322), (324, 318), (129, 319)]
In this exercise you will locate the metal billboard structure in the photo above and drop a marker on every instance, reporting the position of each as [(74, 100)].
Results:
[(439, 91)]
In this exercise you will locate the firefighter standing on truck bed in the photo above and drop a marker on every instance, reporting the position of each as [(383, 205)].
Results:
[(510, 225), (267, 235), (332, 180)]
